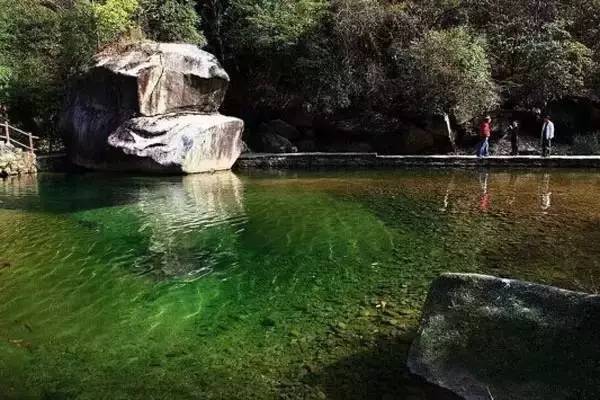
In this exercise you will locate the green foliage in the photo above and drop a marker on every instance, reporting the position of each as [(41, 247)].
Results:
[(462, 57), (448, 72), (29, 48), (44, 45), (171, 21), (114, 17), (277, 24), (536, 57), (78, 38), (556, 67)]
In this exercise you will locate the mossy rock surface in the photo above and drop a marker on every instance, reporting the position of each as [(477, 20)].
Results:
[(485, 337)]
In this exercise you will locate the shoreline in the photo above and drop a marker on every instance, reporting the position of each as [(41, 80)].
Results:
[(307, 161), (374, 160)]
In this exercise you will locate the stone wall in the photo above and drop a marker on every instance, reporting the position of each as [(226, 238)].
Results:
[(302, 161), (15, 161)]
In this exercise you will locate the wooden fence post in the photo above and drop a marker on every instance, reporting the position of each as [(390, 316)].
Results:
[(6, 131)]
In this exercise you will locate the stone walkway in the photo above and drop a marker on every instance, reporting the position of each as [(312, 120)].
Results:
[(373, 160)]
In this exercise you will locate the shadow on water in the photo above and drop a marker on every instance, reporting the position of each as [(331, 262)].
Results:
[(63, 193), (69, 193), (379, 372), (173, 227)]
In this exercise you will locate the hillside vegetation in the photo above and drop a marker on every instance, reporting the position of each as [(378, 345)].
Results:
[(403, 59)]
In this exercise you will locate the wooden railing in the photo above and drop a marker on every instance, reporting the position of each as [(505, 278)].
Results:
[(8, 134)]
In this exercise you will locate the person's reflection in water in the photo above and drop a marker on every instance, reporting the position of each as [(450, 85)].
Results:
[(484, 199), (449, 190), (545, 194), (512, 184)]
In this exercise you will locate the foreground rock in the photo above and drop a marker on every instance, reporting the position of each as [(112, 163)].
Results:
[(484, 337), (147, 92), (15, 161)]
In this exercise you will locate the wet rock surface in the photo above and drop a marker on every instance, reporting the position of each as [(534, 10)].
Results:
[(151, 89), (484, 337)]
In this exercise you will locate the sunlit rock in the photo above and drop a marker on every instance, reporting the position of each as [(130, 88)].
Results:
[(490, 338), (190, 142), (165, 82)]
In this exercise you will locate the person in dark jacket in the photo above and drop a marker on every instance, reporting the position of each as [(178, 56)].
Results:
[(513, 130)]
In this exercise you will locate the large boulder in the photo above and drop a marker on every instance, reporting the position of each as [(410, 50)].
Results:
[(147, 80), (190, 142), (489, 338), (167, 77), (270, 142), (435, 137), (280, 128)]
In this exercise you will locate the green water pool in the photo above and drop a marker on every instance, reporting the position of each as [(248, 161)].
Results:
[(262, 286)]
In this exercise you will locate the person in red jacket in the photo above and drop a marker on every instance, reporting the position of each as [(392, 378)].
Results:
[(485, 131)]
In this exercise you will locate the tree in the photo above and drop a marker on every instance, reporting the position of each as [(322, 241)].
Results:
[(114, 17), (448, 72), (554, 66), (171, 21), (277, 24)]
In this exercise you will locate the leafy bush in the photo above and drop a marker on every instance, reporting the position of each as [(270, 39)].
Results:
[(554, 66), (586, 144), (277, 24), (448, 72), (114, 17), (171, 21)]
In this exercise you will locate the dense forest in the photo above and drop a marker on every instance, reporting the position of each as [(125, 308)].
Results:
[(345, 67)]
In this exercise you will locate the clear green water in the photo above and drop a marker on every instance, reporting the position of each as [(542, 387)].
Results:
[(294, 286)]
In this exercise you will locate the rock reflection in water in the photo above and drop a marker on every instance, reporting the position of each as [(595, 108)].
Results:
[(19, 185), (193, 226)]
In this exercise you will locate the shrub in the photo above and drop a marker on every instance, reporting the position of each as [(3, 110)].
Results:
[(586, 144), (277, 24), (448, 72), (171, 21), (114, 17)]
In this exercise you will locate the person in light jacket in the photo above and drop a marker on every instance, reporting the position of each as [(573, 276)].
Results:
[(547, 136)]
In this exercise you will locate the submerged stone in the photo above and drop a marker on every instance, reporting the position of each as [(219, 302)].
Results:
[(484, 337)]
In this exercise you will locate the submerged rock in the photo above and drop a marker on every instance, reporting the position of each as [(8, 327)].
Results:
[(484, 337), (273, 143), (151, 89)]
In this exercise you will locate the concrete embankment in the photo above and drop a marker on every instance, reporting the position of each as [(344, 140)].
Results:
[(374, 160), (299, 161)]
